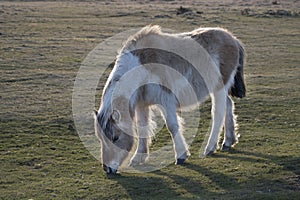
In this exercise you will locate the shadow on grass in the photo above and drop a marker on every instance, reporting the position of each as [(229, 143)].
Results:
[(204, 183), (142, 186), (171, 185), (288, 163), (192, 181)]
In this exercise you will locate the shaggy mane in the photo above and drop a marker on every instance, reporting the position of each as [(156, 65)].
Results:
[(147, 30)]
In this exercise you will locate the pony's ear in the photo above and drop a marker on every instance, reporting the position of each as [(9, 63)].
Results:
[(95, 112), (116, 115)]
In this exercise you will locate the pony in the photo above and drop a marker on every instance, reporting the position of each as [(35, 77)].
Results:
[(176, 72)]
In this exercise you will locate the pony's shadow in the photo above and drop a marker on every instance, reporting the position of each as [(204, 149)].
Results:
[(196, 188), (159, 183), (143, 186), (288, 163)]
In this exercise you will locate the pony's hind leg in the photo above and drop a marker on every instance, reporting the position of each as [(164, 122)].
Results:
[(218, 114), (180, 146), (230, 138), (143, 127)]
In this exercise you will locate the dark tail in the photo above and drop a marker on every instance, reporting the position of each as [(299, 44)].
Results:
[(239, 89)]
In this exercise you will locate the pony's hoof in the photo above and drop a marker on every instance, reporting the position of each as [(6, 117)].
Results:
[(182, 158), (226, 148), (180, 161)]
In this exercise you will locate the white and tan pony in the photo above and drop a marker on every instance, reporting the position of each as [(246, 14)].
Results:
[(176, 72)]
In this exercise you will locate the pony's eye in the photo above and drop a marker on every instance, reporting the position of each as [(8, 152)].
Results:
[(115, 139)]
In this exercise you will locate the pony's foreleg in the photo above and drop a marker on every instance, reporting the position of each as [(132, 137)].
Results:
[(218, 114), (144, 135), (180, 146), (230, 138)]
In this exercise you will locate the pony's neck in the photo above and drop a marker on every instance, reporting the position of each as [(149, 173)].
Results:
[(124, 69), (126, 61)]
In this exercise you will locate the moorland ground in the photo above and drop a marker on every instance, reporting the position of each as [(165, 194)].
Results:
[(42, 47)]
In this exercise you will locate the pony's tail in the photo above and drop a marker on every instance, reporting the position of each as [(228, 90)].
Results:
[(239, 89)]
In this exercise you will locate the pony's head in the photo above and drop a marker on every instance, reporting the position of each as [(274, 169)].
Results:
[(116, 139), (114, 121)]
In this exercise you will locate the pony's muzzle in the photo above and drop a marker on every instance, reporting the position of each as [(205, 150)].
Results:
[(109, 170)]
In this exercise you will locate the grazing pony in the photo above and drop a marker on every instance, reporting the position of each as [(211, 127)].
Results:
[(176, 72)]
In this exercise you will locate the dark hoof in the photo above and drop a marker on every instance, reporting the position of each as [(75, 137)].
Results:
[(180, 161), (226, 148)]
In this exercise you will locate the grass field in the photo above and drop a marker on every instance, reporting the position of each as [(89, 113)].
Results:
[(42, 45)]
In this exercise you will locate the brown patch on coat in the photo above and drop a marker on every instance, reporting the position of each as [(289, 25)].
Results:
[(220, 43)]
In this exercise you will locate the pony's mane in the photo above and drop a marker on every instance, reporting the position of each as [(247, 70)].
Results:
[(147, 30)]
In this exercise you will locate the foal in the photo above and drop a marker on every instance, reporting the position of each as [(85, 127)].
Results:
[(175, 71)]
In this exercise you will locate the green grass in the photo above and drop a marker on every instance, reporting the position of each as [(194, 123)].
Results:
[(42, 157)]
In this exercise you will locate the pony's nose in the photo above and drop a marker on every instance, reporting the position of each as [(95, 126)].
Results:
[(109, 170)]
